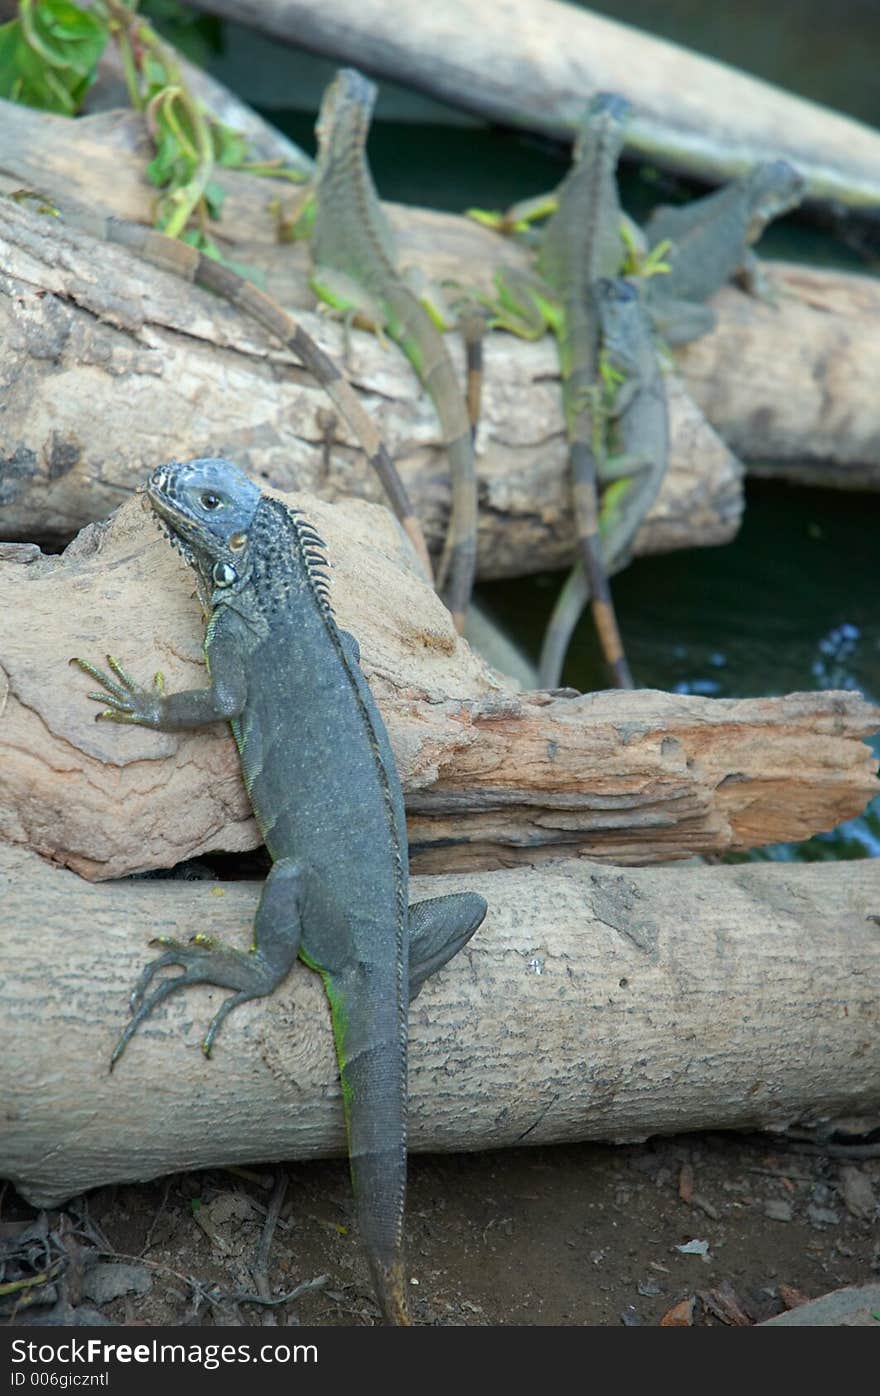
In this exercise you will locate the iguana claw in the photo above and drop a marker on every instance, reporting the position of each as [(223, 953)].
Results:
[(127, 700)]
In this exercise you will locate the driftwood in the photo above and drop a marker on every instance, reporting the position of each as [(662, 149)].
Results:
[(536, 63), (122, 366), (808, 413), (793, 388), (590, 1005), (491, 776)]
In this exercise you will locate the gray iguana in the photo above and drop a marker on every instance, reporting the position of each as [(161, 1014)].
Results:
[(355, 271), (325, 791)]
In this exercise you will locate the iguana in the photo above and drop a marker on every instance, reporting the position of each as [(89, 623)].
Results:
[(327, 799), (355, 271), (580, 243), (635, 469), (710, 240), (179, 257)]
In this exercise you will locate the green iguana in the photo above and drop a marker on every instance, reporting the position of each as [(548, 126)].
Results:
[(634, 472), (580, 243), (710, 241), (355, 271), (326, 795), (178, 257)]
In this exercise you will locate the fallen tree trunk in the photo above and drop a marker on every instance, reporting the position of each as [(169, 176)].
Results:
[(111, 373), (808, 414), (491, 776), (536, 63), (588, 1006), (792, 388)]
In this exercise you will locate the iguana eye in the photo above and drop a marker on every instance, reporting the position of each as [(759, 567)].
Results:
[(211, 501), (224, 574)]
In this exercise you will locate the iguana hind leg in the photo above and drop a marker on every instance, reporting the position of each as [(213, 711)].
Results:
[(439, 928), (253, 973)]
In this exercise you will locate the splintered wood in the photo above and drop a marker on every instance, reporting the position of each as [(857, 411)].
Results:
[(491, 776)]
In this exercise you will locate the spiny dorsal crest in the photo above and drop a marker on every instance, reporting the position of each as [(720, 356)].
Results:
[(314, 552)]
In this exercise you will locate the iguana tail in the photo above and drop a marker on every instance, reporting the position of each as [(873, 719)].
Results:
[(472, 320), (289, 331), (371, 1049), (187, 262), (585, 486), (585, 431), (564, 617), (458, 563)]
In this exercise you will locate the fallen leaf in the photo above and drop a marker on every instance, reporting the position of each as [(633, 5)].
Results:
[(724, 1304), (680, 1315), (777, 1209), (694, 1248), (790, 1296), (857, 1193)]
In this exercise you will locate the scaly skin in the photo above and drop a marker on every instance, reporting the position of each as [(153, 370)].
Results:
[(634, 474), (710, 242), (326, 795), (580, 243), (185, 261), (640, 413), (355, 272)]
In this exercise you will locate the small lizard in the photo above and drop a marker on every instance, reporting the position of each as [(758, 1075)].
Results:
[(710, 240), (580, 243), (635, 470), (326, 795), (170, 254), (355, 271)]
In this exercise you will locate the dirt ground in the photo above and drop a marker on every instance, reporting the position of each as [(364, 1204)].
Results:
[(697, 1230)]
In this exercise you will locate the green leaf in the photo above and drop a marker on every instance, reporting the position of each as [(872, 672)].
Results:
[(230, 147), (49, 55), (65, 35), (214, 196)]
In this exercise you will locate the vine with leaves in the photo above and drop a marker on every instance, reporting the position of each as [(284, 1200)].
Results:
[(49, 58)]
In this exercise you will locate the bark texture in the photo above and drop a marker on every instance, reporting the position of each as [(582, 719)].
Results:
[(590, 1005), (491, 776)]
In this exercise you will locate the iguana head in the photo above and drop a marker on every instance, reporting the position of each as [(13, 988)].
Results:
[(606, 114), (207, 508), (774, 187), (345, 114)]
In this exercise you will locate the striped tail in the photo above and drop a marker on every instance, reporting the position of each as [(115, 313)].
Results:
[(458, 563)]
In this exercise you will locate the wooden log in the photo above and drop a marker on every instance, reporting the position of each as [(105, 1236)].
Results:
[(491, 776), (589, 1005), (793, 388), (536, 63), (110, 373), (808, 414)]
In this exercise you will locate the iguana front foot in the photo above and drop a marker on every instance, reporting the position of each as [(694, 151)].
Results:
[(126, 700)]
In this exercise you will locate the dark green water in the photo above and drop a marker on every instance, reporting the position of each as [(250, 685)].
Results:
[(793, 603)]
